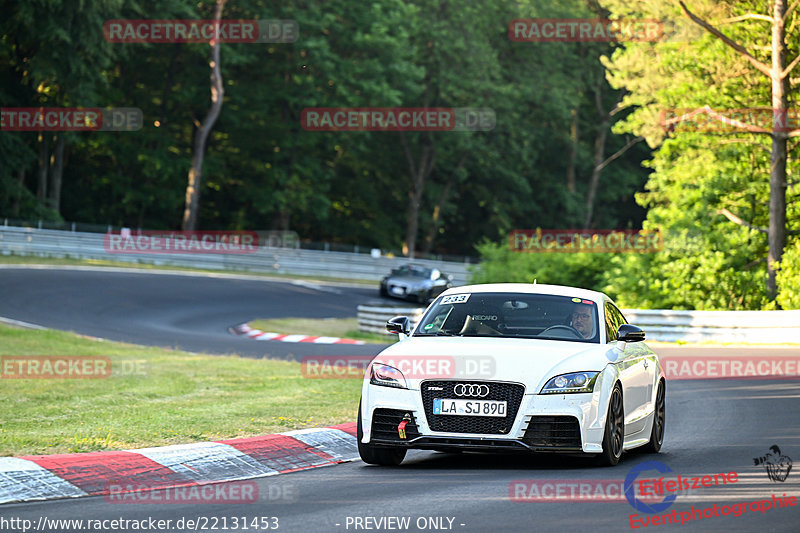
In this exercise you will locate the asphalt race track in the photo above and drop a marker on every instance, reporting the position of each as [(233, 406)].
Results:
[(191, 312), (713, 426)]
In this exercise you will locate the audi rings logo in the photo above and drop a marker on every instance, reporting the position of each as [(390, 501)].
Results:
[(466, 389)]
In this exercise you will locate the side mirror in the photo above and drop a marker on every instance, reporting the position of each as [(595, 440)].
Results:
[(398, 324), (630, 333)]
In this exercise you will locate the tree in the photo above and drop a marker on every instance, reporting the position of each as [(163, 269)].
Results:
[(261, 169), (698, 177), (203, 131), (54, 55), (778, 74)]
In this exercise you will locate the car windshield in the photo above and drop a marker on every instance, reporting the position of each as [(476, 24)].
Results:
[(413, 271), (536, 316)]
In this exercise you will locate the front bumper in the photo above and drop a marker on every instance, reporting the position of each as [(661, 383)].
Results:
[(404, 291), (563, 423)]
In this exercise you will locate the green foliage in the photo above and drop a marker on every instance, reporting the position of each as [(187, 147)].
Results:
[(262, 170), (501, 264), (709, 262), (789, 277), (684, 275)]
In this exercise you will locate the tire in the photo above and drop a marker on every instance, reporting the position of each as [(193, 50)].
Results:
[(424, 297), (659, 419), (614, 434), (375, 455), (382, 292)]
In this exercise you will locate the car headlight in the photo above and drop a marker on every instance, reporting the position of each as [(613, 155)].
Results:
[(571, 383), (387, 376)]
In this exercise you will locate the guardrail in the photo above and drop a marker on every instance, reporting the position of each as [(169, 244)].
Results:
[(267, 259), (756, 327)]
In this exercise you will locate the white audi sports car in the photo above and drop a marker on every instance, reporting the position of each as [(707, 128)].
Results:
[(514, 367)]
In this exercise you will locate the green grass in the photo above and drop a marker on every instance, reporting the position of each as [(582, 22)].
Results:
[(66, 261), (327, 327), (179, 397)]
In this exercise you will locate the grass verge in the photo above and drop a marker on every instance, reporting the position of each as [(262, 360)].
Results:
[(322, 327), (162, 397)]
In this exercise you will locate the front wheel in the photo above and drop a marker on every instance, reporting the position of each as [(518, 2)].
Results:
[(614, 434), (659, 418), (375, 455)]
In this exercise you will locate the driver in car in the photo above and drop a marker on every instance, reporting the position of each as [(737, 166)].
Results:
[(581, 320)]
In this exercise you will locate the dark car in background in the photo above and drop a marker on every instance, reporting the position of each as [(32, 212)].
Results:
[(416, 283)]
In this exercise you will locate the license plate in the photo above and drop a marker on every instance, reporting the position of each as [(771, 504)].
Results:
[(446, 406), (398, 290)]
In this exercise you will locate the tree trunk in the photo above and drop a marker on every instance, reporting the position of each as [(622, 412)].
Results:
[(201, 135), (573, 151), (280, 219), (594, 181), (419, 173), (777, 175), (435, 218), (284, 218), (437, 209), (41, 190), (599, 151), (15, 205), (56, 174), (598, 163)]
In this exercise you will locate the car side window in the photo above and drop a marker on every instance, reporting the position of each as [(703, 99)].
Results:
[(612, 324), (618, 315)]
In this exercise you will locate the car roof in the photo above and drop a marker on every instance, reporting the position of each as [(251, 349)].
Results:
[(530, 288), (413, 265)]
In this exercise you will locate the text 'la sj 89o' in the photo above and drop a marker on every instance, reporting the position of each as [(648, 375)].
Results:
[(514, 367)]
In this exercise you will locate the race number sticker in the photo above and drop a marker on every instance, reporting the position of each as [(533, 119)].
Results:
[(455, 299)]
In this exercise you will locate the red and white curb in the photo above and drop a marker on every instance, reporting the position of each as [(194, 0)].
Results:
[(257, 334), (45, 477)]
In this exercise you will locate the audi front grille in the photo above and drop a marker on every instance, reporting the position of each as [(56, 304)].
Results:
[(511, 393)]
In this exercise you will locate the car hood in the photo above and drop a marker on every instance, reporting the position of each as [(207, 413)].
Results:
[(407, 279), (529, 361)]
